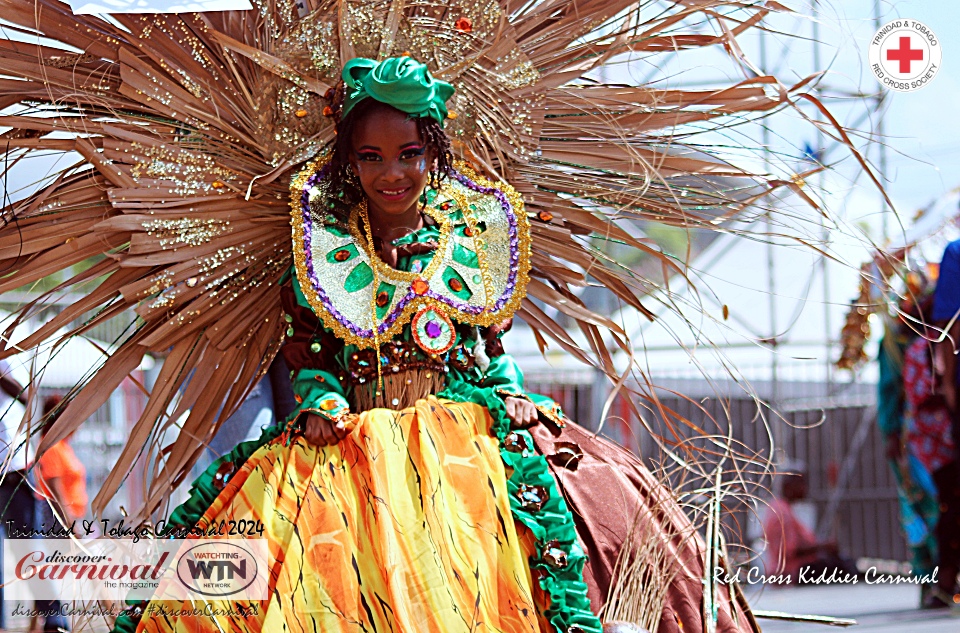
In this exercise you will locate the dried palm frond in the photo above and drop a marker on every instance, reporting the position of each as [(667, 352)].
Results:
[(647, 566), (186, 129)]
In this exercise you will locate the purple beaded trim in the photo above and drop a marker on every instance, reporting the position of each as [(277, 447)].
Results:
[(411, 295)]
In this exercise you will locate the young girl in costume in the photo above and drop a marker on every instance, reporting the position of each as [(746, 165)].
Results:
[(419, 487)]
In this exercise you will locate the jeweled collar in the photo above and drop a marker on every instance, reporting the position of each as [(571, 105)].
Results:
[(478, 274)]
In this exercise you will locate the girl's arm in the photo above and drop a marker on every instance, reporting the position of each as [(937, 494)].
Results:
[(311, 353), (505, 376)]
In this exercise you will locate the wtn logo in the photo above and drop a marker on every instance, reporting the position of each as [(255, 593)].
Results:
[(225, 569)]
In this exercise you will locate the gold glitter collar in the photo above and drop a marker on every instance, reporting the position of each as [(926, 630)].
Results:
[(477, 275)]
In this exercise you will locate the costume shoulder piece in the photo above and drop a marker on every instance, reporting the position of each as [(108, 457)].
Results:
[(477, 274)]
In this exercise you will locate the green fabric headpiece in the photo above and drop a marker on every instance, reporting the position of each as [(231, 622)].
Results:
[(401, 82)]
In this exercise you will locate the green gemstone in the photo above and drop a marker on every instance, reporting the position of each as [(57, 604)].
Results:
[(476, 279), (359, 278), (289, 331), (287, 318), (315, 347), (465, 256)]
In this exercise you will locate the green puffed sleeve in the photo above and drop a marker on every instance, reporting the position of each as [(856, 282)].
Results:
[(318, 392), (312, 354), (504, 375)]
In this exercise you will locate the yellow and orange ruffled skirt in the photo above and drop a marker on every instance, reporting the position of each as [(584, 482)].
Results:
[(405, 526)]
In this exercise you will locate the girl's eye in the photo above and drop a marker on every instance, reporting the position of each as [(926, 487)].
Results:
[(368, 156), (412, 153)]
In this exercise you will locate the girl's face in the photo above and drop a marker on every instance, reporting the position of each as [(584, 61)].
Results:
[(391, 160)]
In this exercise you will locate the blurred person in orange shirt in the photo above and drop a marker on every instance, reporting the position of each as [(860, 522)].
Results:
[(61, 488), (61, 477)]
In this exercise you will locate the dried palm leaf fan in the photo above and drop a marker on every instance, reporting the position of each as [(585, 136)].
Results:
[(187, 129)]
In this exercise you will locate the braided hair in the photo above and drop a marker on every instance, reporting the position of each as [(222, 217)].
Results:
[(342, 179)]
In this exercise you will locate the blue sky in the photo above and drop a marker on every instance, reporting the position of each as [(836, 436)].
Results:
[(922, 137), (923, 163), (923, 134)]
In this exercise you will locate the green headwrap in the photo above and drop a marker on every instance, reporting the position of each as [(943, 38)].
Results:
[(401, 82)]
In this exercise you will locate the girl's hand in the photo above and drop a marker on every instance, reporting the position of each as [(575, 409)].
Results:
[(521, 412), (323, 432)]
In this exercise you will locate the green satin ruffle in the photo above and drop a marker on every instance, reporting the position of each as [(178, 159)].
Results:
[(505, 375), (318, 392)]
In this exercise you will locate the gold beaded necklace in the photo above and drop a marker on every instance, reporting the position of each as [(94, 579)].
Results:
[(361, 213), (380, 269), (478, 244), (375, 260)]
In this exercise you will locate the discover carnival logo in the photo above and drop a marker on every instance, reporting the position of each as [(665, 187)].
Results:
[(122, 569), (905, 55)]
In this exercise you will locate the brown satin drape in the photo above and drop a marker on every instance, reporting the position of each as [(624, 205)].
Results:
[(607, 492)]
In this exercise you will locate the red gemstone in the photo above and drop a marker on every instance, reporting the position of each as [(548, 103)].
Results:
[(383, 298), (463, 25), (455, 285), (341, 256), (420, 286)]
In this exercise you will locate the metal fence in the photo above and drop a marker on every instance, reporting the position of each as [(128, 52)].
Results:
[(831, 430)]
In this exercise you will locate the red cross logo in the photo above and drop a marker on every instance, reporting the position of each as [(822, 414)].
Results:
[(905, 55)]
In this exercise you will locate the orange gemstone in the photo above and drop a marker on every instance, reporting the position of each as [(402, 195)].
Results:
[(329, 404), (546, 216), (383, 298), (451, 114), (420, 286), (468, 232), (455, 285), (327, 111), (216, 184), (301, 113), (463, 25), (341, 256)]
